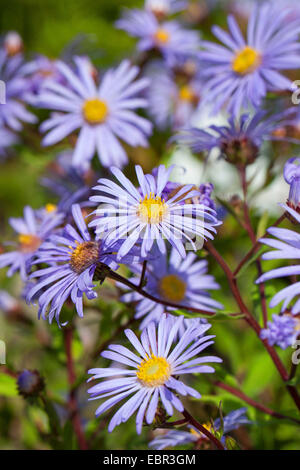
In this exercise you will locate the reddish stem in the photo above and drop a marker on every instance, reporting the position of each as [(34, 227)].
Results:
[(117, 277), (202, 429), (255, 404), (252, 236), (252, 321), (255, 247)]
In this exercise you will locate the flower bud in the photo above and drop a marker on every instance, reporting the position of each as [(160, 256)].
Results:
[(291, 175), (240, 151), (30, 383)]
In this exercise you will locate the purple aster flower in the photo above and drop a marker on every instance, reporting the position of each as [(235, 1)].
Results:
[(40, 70), (152, 374), (241, 71), (286, 246), (7, 140), (72, 257), (131, 215), (103, 113), (177, 280), (291, 175), (168, 37), (283, 331), (172, 103), (13, 111), (239, 141), (32, 230), (174, 438)]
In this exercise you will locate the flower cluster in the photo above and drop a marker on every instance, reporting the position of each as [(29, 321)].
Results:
[(121, 217)]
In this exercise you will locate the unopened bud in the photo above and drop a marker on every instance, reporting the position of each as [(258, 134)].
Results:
[(30, 383)]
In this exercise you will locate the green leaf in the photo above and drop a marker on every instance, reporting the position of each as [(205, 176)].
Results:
[(68, 436), (228, 315), (262, 225), (8, 386)]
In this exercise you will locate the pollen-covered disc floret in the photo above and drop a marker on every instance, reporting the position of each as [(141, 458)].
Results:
[(72, 258), (84, 255), (152, 372)]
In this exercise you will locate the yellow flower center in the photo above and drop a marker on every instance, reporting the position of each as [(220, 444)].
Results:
[(187, 94), (162, 36), (29, 243), (50, 207), (172, 288), (154, 371), (95, 111), (83, 256), (152, 209), (246, 61)]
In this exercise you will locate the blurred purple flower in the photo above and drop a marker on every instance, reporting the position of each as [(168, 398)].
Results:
[(33, 229), (171, 103), (7, 140), (12, 74), (168, 37), (282, 331)]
